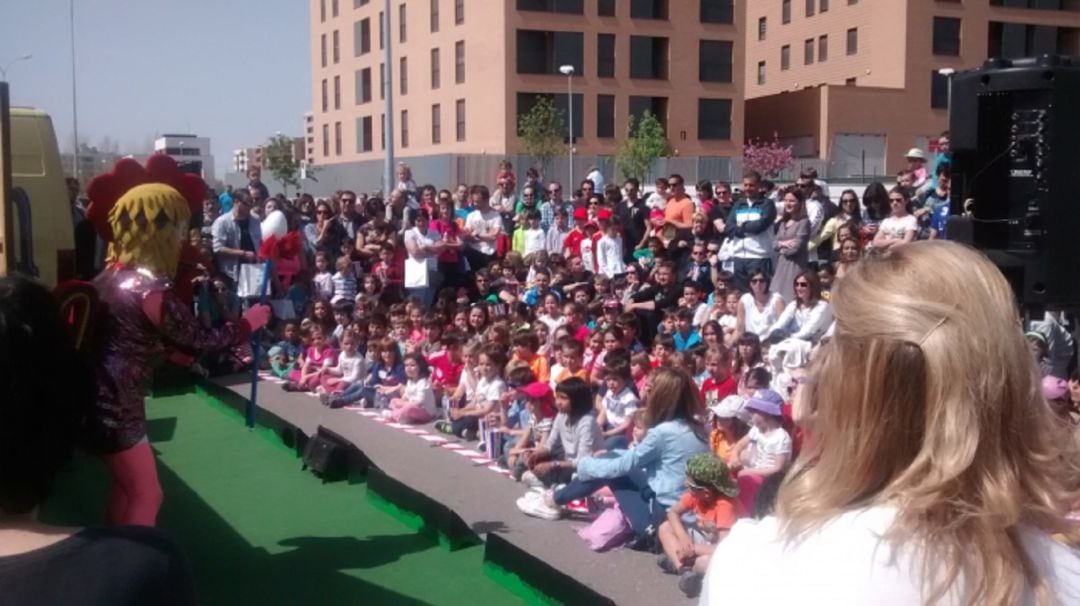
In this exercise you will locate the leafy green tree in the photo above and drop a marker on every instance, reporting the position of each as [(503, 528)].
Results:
[(645, 143), (543, 131), (278, 159)]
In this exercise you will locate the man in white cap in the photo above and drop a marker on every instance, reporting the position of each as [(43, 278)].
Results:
[(916, 159)]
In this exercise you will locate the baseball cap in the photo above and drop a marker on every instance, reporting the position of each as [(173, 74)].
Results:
[(537, 390), (604, 214), (766, 401), (581, 214)]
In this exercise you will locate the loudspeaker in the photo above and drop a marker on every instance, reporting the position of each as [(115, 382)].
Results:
[(1015, 134), (326, 455)]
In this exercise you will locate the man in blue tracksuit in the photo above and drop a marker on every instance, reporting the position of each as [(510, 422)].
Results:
[(749, 226)]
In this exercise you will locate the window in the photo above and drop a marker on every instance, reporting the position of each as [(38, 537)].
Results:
[(810, 6), (322, 11), (850, 82), (573, 7), (382, 131), (361, 37), (1055, 5), (337, 138), (822, 48), (762, 28), (337, 47), (403, 76), (459, 12), (435, 71), (382, 81), (459, 113), (382, 30), (325, 95), (808, 52), (605, 8), (939, 90), (714, 60), (322, 41), (1013, 40), (359, 3), (526, 101), (337, 92), (326, 140), (436, 124), (401, 23), (333, 8), (605, 55), (657, 106), (853, 41), (648, 57), (785, 57), (824, 6), (459, 62), (542, 52), (785, 12), (717, 11), (404, 128), (434, 16), (714, 119), (761, 72), (363, 85), (605, 116), (648, 9), (946, 36), (363, 134)]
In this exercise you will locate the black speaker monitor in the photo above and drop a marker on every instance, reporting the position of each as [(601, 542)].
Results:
[(1015, 135)]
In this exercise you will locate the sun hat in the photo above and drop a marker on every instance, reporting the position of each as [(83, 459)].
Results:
[(729, 407), (707, 469), (766, 401), (916, 153), (1054, 388)]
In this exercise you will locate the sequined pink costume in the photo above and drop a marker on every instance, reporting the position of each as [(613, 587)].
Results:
[(133, 343)]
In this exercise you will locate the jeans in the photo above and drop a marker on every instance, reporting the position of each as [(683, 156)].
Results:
[(638, 503), (425, 293), (459, 426), (354, 392), (744, 268), (618, 442)]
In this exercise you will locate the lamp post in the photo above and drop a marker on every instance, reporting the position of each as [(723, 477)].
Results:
[(7, 66), (568, 71)]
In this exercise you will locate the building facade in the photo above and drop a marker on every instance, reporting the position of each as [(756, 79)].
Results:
[(854, 84), (463, 71), (190, 152)]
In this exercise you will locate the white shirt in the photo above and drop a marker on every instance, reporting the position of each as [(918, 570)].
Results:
[(846, 563), (486, 391), (419, 392), (620, 406), (351, 368), (588, 257), (609, 256), (484, 224), (756, 321), (894, 228), (766, 448), (534, 241)]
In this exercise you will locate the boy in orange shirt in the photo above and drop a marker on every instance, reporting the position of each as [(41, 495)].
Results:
[(573, 354), (711, 497), (525, 346)]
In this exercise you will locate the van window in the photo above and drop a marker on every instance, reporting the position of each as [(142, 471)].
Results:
[(27, 149)]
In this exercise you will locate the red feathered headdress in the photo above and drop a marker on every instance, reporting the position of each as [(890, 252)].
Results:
[(106, 189)]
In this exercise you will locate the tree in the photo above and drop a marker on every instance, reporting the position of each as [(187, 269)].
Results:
[(278, 159), (543, 131), (645, 143), (769, 158)]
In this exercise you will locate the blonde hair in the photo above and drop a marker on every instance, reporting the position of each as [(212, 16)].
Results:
[(148, 221), (927, 400)]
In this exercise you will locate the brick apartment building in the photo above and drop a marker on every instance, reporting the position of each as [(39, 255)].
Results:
[(853, 84), (462, 71)]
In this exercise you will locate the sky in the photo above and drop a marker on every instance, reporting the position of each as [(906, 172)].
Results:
[(237, 71)]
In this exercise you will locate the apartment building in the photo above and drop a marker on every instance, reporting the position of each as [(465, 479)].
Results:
[(854, 84), (463, 71)]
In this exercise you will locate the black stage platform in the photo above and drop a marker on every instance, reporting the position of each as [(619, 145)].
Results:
[(454, 490)]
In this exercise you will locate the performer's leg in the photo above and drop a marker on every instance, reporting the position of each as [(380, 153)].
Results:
[(135, 484)]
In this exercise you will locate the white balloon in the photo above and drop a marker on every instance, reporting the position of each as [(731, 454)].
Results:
[(275, 224)]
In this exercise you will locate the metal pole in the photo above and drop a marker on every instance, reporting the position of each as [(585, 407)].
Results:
[(388, 108), (570, 104), (7, 217), (74, 102)]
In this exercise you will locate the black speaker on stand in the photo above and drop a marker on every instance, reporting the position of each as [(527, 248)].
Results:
[(1015, 135)]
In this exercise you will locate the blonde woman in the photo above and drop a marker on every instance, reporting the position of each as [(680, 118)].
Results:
[(933, 473)]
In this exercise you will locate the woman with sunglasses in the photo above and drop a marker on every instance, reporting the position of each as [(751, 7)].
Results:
[(900, 226), (807, 317), (827, 241), (759, 308), (325, 234), (792, 236)]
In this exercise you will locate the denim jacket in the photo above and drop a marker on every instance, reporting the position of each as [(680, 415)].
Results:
[(662, 454)]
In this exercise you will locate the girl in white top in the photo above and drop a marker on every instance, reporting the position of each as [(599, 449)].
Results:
[(552, 315), (934, 472), (609, 252), (807, 317), (759, 308), (417, 401), (351, 367), (901, 226)]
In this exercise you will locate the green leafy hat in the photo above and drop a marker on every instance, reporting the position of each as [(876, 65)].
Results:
[(707, 469)]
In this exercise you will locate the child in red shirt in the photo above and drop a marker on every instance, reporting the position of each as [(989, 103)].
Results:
[(719, 384)]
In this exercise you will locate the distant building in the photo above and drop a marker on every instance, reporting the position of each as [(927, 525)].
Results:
[(255, 157), (92, 162), (309, 136), (190, 151)]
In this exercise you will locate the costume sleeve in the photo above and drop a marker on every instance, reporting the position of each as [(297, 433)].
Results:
[(179, 327)]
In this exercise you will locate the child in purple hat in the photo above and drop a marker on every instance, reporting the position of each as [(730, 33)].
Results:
[(766, 449)]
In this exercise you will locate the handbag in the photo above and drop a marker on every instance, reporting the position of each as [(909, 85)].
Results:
[(249, 280), (609, 530)]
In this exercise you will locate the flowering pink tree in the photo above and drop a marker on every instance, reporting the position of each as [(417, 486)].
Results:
[(767, 157)]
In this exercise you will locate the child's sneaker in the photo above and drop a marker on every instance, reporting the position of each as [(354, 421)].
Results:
[(444, 427), (324, 398), (529, 479), (320, 390), (690, 583), (386, 414), (535, 505), (667, 565)]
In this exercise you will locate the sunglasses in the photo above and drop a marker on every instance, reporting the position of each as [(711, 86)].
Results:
[(348, 200), (802, 285), (758, 281)]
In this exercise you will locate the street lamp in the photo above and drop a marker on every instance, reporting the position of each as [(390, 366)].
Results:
[(3, 71), (948, 73), (568, 71)]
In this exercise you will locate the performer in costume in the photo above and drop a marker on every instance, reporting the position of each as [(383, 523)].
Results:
[(143, 214)]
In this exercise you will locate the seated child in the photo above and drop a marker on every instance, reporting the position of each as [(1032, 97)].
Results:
[(317, 359), (343, 310), (726, 426), (573, 352), (348, 370), (618, 404), (718, 383), (540, 405), (574, 434), (525, 348), (446, 366), (417, 401), (384, 375), (711, 498), (287, 353), (766, 449), (485, 396)]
